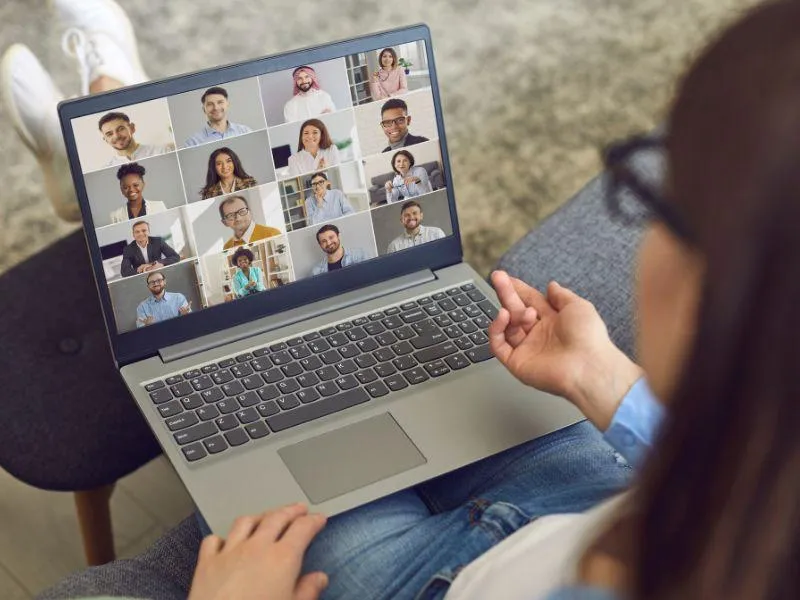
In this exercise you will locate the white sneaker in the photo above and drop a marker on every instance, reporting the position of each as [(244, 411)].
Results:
[(99, 35), (31, 98)]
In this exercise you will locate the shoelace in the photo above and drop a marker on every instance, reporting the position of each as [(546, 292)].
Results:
[(76, 45)]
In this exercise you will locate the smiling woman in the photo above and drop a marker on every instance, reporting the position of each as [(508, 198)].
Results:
[(225, 174), (132, 184)]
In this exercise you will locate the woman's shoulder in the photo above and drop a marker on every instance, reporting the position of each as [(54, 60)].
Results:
[(247, 182)]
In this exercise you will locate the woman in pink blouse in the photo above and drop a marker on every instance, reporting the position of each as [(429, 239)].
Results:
[(390, 79)]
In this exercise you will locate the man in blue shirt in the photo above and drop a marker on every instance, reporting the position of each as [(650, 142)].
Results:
[(324, 203), (218, 127), (161, 305), (337, 255)]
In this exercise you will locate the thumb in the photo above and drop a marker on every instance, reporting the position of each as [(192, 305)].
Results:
[(559, 297), (310, 586)]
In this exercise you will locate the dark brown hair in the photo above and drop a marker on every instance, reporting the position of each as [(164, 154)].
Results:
[(212, 177), (717, 510), (324, 138), (390, 51), (405, 153)]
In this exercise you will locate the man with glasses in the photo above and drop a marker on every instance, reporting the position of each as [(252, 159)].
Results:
[(234, 212), (161, 305), (324, 203), (146, 252), (394, 122)]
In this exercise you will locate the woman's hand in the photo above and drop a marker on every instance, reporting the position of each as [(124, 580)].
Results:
[(260, 559), (321, 164), (410, 180), (559, 344), (388, 185)]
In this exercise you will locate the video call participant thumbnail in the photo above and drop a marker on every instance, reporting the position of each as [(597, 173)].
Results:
[(415, 232), (225, 174), (161, 305), (308, 99), (390, 78), (248, 279), (234, 212), (132, 184), (146, 252), (118, 131), (315, 149), (394, 122), (409, 181), (324, 203), (218, 127), (337, 255)]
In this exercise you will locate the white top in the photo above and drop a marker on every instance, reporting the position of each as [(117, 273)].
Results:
[(120, 215), (308, 104), (303, 162), (143, 250), (536, 560), (143, 151)]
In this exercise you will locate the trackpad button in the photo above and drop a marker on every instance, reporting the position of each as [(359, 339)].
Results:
[(349, 458)]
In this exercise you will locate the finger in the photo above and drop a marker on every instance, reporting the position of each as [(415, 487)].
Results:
[(497, 336), (242, 529), (516, 334), (310, 586), (508, 295), (532, 297), (210, 546), (302, 531), (559, 296), (274, 523)]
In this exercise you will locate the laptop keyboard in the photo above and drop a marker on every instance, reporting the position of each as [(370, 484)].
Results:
[(228, 403)]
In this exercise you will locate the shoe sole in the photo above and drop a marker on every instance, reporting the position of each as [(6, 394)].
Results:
[(66, 207)]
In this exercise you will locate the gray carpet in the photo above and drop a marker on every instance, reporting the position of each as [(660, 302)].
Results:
[(531, 88)]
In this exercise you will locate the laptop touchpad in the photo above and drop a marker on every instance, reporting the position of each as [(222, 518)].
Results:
[(349, 458)]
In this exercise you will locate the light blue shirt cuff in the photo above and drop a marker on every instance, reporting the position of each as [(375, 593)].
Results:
[(636, 423)]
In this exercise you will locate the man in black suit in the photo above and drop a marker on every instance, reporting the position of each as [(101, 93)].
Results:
[(146, 253), (394, 122)]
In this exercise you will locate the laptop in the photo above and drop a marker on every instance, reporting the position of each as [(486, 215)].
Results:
[(291, 312)]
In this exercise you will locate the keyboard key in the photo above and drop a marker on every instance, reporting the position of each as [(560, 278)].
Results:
[(415, 376), (194, 452), (287, 386), (452, 331), (242, 370), (330, 357), (349, 351), (425, 300), (453, 291), (413, 316), (170, 409), (248, 415), (360, 321), (476, 296), (435, 352), (404, 333), (174, 379), (314, 335), (292, 369), (288, 402), (337, 339), (425, 327), (267, 409), (196, 433), (374, 328), (392, 310), (252, 382), (272, 375), (366, 376), (227, 422), (318, 346), (377, 316), (311, 363), (248, 399), (385, 369), (442, 320), (468, 327), (184, 388), (237, 437), (425, 341), (447, 305), (306, 396), (215, 444), (318, 409), (269, 392), (191, 374), (487, 307), (365, 360), (257, 430), (367, 345), (392, 322), (228, 362), (192, 401), (327, 331), (346, 366), (457, 361), (156, 385), (162, 395), (299, 352), (401, 348), (278, 347), (261, 364), (439, 296), (294, 342), (408, 305), (280, 358), (386, 339), (234, 388), (383, 354), (243, 358), (404, 362), (307, 380), (327, 373), (457, 315), (482, 322), (377, 389), (261, 352), (433, 309), (468, 286), (472, 311), (221, 377), (347, 382), (463, 343), (395, 382), (344, 326), (209, 369), (462, 300), (478, 338), (329, 388), (227, 406), (355, 334), (479, 354), (206, 413), (436, 368)]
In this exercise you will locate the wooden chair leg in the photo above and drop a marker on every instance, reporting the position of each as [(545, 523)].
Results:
[(94, 518)]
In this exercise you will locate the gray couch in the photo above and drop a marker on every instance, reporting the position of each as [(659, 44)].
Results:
[(579, 246)]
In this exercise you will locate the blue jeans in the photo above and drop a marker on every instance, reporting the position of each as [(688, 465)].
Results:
[(413, 543)]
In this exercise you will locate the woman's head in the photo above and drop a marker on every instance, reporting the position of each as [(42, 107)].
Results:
[(388, 58), (313, 135), (720, 498), (224, 163), (243, 258), (131, 181), (402, 161)]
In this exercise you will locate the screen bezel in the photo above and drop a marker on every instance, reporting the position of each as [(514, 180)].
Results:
[(136, 345)]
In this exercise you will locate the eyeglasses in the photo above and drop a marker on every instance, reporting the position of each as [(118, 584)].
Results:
[(628, 196), (239, 213), (318, 183), (398, 122), (155, 281)]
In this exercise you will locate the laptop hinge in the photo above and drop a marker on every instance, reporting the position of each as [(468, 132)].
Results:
[(295, 315)]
